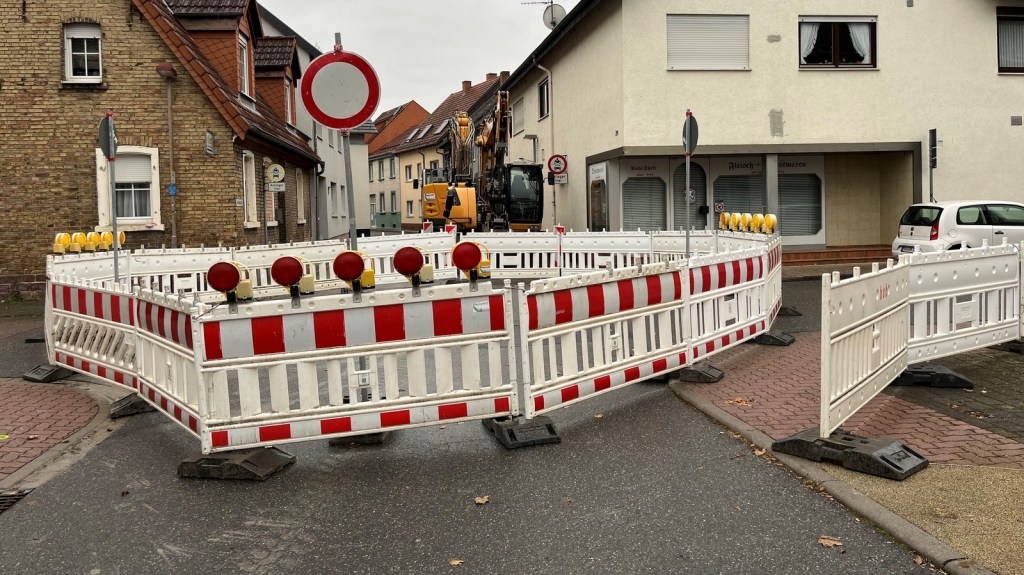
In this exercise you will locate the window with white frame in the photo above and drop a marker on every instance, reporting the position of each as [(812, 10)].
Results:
[(344, 201), (136, 189), (433, 164), (837, 42), (370, 170), (408, 173), (392, 161), (83, 59), (380, 170), (252, 218), (420, 202), (300, 196), (408, 208), (269, 199), (288, 101), (380, 202), (518, 118), (394, 203), (543, 99), (330, 137), (243, 65), (1010, 36), (335, 201), (708, 42)]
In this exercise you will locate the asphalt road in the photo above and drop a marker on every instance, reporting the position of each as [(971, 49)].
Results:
[(649, 487)]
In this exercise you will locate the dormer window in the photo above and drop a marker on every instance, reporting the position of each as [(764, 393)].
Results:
[(243, 65), (288, 102), (83, 61)]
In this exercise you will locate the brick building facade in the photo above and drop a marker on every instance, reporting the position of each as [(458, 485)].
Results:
[(68, 63)]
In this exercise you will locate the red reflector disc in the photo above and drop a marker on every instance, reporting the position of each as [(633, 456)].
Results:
[(408, 261), (348, 266), (286, 271), (466, 256), (223, 276)]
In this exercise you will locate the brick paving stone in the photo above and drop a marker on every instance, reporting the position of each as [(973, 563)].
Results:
[(784, 386), (49, 412)]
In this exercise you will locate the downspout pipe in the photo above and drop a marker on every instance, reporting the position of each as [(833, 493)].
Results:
[(551, 117)]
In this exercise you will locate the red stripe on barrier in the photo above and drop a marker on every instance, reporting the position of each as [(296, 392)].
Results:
[(570, 393), (496, 303), (660, 365), (97, 304), (276, 432), (538, 403), (329, 328), (739, 335), (392, 418), (563, 306), (735, 272), (82, 308), (267, 335), (531, 304), (705, 279), (453, 411), (188, 331), (67, 298), (161, 313), (101, 371), (115, 308), (602, 383), (131, 312), (726, 340), (625, 294), (176, 335), (709, 347), (163, 403), (193, 424), (211, 340), (682, 359), (595, 300), (119, 377), (219, 438), (177, 413), (677, 282), (152, 395), (721, 276), (336, 425), (750, 268), (85, 366), (633, 374), (53, 295), (389, 323), (653, 290), (447, 317), (501, 405)]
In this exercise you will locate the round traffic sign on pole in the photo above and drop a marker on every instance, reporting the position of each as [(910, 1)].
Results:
[(557, 164), (340, 90)]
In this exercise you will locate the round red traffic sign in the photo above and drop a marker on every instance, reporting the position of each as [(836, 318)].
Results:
[(557, 164), (340, 90)]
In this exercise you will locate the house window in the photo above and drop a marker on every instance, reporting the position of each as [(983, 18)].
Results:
[(394, 203), (288, 101), (380, 202), (252, 218), (243, 65), (83, 61), (421, 207), (708, 42), (269, 198), (343, 199), (371, 171), (837, 42), (543, 99), (408, 208), (300, 197), (408, 173), (518, 118), (335, 200), (1010, 33), (392, 167), (433, 164), (330, 137), (136, 189), (380, 170)]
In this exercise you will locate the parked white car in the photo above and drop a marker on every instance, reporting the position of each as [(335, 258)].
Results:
[(950, 225)]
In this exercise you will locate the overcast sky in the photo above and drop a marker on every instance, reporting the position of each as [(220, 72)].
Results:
[(422, 49)]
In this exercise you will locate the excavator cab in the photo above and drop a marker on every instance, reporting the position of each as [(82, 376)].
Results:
[(525, 201)]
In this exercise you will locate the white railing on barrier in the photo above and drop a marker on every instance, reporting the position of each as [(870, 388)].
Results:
[(864, 337), (259, 259), (583, 252), (963, 299)]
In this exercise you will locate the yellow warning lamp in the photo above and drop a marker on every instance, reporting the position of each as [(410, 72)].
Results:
[(757, 226), (723, 220), (770, 223), (745, 223), (77, 242), (734, 221), (61, 243), (92, 240)]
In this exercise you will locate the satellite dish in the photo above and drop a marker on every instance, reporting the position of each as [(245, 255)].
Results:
[(553, 15)]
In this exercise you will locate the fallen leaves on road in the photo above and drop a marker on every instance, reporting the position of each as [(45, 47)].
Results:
[(482, 500), (456, 562), (829, 541), (737, 508), (919, 560), (740, 401), (735, 435), (760, 452), (567, 500), (33, 437), (599, 416), (968, 390)]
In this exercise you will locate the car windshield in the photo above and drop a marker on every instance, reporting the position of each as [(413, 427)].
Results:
[(920, 216)]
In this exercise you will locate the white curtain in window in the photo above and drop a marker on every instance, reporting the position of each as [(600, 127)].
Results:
[(808, 37), (861, 34), (1011, 43)]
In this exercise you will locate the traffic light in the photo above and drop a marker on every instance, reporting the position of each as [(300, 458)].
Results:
[(933, 152)]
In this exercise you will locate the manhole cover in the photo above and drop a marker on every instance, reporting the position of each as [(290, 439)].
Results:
[(9, 498)]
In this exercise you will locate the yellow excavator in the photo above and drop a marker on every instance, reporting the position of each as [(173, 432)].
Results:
[(506, 197)]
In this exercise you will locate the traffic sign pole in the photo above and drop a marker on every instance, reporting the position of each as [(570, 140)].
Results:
[(686, 145), (112, 146)]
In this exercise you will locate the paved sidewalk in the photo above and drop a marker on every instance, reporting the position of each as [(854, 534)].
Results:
[(36, 417)]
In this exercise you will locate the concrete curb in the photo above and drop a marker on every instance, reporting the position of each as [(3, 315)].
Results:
[(929, 547)]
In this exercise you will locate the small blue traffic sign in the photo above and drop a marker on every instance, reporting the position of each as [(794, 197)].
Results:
[(172, 189)]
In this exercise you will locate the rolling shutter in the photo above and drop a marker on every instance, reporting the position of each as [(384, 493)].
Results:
[(743, 194), (708, 42), (699, 183), (643, 204), (132, 168), (799, 204)]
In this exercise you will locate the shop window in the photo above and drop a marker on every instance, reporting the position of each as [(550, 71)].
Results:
[(799, 204), (644, 205)]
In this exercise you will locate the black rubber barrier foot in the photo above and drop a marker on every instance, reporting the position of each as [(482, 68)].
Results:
[(700, 373), (515, 432), (250, 464), (779, 338), (881, 457), (933, 375), (130, 404), (365, 439), (789, 312), (47, 374), (1011, 346)]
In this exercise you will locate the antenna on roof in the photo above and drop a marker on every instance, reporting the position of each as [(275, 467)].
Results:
[(553, 13)]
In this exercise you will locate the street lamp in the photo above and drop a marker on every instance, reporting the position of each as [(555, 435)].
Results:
[(168, 72)]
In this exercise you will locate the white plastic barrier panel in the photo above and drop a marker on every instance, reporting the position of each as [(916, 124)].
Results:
[(334, 367), (584, 252), (962, 300), (587, 334), (519, 254), (259, 259), (865, 327), (381, 249)]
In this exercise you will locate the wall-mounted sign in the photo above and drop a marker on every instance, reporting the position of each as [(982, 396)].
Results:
[(210, 142), (275, 173), (275, 187)]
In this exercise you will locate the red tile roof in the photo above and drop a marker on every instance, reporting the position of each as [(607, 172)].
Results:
[(204, 7), (457, 102), (262, 121), (274, 51)]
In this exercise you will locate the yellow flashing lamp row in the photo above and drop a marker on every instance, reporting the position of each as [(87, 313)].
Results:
[(756, 223), (85, 242)]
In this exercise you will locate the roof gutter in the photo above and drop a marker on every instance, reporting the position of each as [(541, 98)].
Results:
[(295, 149)]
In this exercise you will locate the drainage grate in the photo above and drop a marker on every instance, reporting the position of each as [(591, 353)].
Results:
[(9, 498)]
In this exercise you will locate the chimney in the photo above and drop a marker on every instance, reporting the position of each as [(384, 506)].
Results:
[(466, 85), (491, 76), (504, 76)]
